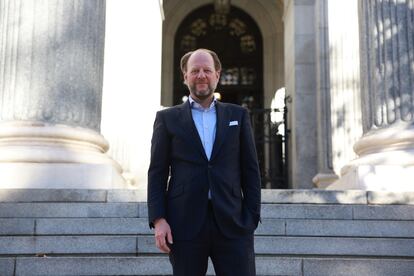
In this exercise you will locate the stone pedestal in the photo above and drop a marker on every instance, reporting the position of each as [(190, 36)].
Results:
[(386, 161), (386, 151), (51, 67)]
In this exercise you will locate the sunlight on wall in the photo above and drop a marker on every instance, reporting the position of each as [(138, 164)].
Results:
[(132, 75), (344, 80)]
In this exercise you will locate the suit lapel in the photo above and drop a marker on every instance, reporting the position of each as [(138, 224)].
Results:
[(190, 131), (223, 115)]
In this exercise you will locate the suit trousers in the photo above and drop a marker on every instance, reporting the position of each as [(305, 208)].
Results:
[(230, 257)]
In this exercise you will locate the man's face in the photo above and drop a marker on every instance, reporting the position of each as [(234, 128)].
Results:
[(201, 76)]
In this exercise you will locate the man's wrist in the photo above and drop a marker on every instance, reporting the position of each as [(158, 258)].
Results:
[(155, 222)]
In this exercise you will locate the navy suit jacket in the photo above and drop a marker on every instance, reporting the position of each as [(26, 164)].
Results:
[(180, 175)]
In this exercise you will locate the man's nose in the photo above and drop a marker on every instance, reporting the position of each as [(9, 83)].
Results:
[(201, 74)]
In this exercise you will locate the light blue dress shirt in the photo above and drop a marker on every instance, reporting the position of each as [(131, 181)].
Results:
[(205, 120)]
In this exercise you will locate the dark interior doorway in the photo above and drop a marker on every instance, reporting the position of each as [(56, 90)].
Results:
[(236, 38)]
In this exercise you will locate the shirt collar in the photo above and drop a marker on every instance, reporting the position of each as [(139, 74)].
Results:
[(196, 105)]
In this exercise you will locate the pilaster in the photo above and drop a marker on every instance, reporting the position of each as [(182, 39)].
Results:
[(325, 175)]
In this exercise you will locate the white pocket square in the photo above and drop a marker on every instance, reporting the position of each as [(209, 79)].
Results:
[(234, 123)]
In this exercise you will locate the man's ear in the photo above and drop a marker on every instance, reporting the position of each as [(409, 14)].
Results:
[(185, 78)]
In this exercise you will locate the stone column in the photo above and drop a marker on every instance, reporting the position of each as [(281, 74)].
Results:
[(51, 69), (386, 150), (300, 79), (325, 175)]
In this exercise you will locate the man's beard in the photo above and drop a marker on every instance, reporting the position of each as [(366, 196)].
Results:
[(204, 93)]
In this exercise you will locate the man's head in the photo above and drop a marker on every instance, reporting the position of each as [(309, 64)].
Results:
[(201, 69)]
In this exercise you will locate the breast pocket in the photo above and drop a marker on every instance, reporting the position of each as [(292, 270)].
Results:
[(233, 130)]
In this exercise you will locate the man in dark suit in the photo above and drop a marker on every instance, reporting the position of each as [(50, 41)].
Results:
[(203, 179)]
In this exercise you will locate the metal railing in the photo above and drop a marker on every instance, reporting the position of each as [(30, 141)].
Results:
[(271, 138)]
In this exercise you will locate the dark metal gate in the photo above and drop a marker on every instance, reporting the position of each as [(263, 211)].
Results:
[(271, 143)]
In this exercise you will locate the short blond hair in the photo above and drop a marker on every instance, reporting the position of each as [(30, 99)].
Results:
[(186, 57)]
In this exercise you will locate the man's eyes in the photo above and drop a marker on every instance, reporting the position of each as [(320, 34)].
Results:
[(207, 71)]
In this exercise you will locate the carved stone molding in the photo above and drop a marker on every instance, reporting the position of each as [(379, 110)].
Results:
[(34, 142)]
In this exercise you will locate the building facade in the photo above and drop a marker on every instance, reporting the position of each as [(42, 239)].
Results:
[(80, 77)]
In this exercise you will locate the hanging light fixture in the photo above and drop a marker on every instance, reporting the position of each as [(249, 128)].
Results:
[(222, 6)]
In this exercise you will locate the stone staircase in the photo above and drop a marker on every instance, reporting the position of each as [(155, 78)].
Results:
[(303, 232)]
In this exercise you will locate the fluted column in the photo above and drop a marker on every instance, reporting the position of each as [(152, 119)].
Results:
[(388, 65), (325, 175), (52, 61), (51, 69), (386, 150)]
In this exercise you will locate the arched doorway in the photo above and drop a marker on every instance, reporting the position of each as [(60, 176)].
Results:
[(267, 17), (236, 38), (238, 41)]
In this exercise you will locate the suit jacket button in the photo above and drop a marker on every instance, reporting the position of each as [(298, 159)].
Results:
[(210, 166)]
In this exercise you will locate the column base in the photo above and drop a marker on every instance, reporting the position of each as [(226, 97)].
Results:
[(323, 180), (60, 176), (385, 163), (376, 178), (40, 155)]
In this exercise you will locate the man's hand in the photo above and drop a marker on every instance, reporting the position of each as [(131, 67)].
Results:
[(162, 235)]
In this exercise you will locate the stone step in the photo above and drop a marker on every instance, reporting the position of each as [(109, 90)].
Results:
[(268, 196), (159, 265), (277, 245), (276, 211), (342, 212), (304, 232), (350, 228), (274, 245), (71, 195), (274, 227), (71, 210), (74, 226)]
